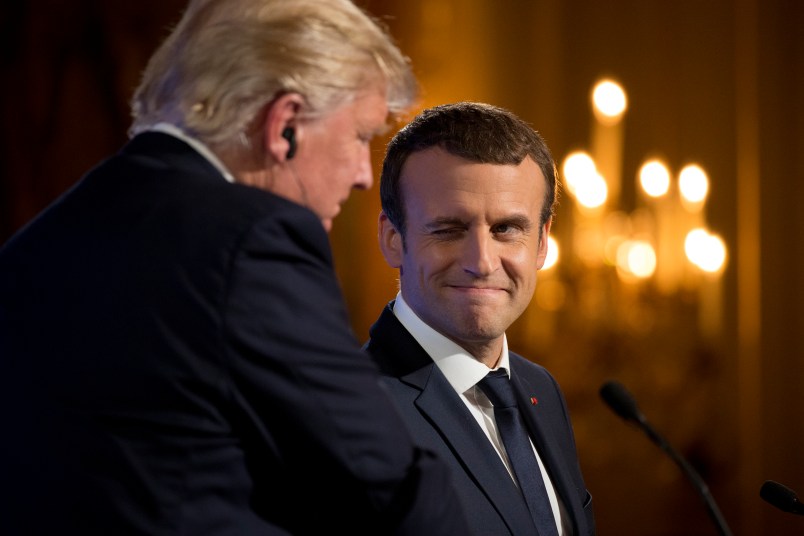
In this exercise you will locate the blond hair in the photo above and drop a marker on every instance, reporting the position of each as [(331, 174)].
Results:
[(227, 59)]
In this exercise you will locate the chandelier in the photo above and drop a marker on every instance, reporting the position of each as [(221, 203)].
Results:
[(662, 244)]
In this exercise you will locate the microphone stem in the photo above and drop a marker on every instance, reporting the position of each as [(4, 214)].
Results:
[(697, 482)]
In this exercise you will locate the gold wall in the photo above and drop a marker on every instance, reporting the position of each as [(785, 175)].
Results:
[(719, 82)]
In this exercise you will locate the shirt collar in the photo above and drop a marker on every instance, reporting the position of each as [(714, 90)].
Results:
[(203, 150), (461, 369)]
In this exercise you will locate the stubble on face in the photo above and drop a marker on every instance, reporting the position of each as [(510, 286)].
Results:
[(472, 237)]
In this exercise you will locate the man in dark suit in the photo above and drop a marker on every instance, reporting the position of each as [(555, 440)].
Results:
[(467, 201), (175, 356)]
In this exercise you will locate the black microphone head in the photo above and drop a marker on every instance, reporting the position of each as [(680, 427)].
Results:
[(781, 497), (620, 401)]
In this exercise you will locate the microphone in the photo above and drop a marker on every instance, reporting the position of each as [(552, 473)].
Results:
[(782, 497), (623, 404)]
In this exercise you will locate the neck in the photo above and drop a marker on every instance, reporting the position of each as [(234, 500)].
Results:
[(487, 352), (259, 178), (248, 168)]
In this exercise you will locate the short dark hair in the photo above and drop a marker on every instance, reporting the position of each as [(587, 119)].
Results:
[(474, 131)]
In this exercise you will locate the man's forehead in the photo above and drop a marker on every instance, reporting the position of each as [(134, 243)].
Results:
[(437, 170)]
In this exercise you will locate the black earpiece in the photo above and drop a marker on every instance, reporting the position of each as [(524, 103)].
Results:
[(290, 135)]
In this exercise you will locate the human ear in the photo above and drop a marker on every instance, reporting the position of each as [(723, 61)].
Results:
[(390, 241), (281, 118), (541, 253)]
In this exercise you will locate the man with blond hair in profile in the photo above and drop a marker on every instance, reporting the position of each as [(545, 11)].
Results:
[(175, 356)]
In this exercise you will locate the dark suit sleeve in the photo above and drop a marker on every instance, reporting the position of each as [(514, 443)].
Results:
[(309, 402)]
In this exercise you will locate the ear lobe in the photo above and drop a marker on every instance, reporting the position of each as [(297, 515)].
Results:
[(390, 241), (282, 114), (541, 254)]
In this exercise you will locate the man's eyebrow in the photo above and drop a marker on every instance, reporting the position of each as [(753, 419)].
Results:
[(520, 220), (444, 221), (383, 129), (368, 130)]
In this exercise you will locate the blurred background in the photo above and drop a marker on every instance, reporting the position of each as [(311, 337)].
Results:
[(680, 239)]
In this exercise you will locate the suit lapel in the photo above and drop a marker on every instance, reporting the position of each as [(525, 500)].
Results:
[(394, 348), (440, 404), (537, 417)]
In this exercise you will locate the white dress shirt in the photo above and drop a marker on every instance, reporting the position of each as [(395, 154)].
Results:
[(203, 150), (463, 372)]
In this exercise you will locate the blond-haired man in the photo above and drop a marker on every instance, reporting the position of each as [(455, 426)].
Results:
[(176, 357)]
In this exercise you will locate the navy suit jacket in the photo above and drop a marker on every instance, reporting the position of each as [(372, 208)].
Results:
[(439, 420), (175, 358)]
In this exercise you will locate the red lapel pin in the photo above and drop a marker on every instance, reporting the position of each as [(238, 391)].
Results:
[(533, 400)]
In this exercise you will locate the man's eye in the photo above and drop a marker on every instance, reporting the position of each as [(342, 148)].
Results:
[(446, 232), (506, 229)]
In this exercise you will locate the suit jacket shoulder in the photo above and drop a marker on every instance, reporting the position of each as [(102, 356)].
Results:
[(439, 419), (177, 356)]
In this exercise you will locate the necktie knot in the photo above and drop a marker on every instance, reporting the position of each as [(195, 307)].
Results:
[(497, 387)]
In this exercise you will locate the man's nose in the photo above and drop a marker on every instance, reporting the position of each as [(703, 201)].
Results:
[(365, 174), (480, 256)]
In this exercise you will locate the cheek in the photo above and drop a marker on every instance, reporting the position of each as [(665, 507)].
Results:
[(435, 265), (349, 161), (352, 153), (521, 265), (336, 169)]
